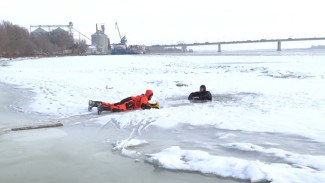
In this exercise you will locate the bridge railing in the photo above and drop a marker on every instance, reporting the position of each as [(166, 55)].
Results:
[(278, 41)]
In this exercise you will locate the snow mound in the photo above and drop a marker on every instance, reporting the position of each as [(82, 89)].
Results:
[(174, 158), (128, 143), (316, 162)]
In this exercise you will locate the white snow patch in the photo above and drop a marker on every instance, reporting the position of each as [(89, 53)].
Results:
[(226, 136), (130, 153), (128, 143), (175, 158), (316, 162), (135, 142)]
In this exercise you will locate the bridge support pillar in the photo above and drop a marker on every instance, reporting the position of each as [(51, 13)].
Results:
[(184, 48), (219, 47), (279, 46)]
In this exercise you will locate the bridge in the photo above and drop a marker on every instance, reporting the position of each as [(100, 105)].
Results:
[(278, 41)]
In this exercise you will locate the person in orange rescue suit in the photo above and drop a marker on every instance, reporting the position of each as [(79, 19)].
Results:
[(130, 103)]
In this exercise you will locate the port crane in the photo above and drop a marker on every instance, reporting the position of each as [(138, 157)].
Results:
[(123, 39)]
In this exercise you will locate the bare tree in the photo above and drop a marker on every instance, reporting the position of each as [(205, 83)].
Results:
[(15, 41), (79, 47), (3, 40), (44, 46), (62, 39)]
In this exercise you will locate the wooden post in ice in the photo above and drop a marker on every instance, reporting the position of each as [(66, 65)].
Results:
[(37, 127)]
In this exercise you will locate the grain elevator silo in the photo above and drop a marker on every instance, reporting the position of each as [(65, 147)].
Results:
[(100, 41)]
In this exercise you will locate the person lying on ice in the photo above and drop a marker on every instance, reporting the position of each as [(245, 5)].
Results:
[(201, 95), (130, 103)]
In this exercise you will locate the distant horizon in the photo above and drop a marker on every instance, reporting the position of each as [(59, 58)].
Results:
[(305, 44), (197, 48), (170, 22)]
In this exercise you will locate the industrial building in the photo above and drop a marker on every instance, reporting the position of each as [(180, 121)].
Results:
[(39, 31), (100, 43), (59, 29)]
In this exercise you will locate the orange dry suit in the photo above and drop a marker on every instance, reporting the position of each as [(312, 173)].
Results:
[(130, 103)]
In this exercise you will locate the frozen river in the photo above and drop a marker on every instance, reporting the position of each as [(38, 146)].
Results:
[(265, 122)]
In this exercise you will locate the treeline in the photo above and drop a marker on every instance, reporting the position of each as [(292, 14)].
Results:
[(15, 41)]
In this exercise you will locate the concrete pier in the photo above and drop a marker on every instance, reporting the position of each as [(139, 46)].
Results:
[(279, 46), (184, 48)]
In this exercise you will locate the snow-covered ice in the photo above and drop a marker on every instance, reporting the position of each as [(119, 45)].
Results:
[(175, 158), (315, 162), (265, 105), (128, 143)]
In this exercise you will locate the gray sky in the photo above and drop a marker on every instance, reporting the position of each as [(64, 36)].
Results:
[(170, 21)]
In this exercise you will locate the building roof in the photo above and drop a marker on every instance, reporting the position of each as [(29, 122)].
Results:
[(59, 29), (39, 31), (99, 32)]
